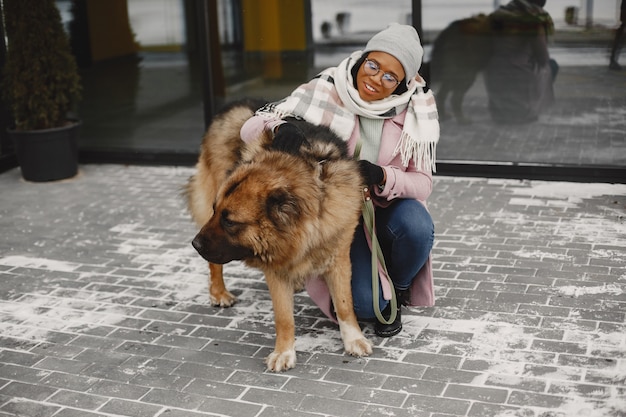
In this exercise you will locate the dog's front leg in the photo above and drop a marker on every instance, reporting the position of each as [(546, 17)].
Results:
[(218, 293), (339, 280), (284, 355)]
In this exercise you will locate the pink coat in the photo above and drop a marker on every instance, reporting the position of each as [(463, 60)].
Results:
[(401, 182)]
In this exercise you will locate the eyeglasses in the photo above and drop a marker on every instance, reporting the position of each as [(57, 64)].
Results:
[(388, 80)]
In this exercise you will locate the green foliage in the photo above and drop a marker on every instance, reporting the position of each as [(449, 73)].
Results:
[(40, 78)]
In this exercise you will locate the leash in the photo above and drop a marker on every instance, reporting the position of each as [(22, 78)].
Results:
[(378, 259)]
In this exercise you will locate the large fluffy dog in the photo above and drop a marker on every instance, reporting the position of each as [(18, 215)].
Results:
[(291, 216)]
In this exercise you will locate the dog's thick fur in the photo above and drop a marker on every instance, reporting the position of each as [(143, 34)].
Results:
[(291, 216), (459, 53)]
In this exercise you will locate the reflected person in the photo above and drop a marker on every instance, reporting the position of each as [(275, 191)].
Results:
[(520, 74)]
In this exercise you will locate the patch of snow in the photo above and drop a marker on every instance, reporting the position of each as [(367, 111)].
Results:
[(38, 263), (574, 291), (571, 191), (577, 406), (537, 254), (324, 341), (124, 228), (527, 202), (607, 254), (132, 245)]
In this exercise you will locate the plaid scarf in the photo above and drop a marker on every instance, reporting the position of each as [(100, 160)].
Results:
[(331, 100)]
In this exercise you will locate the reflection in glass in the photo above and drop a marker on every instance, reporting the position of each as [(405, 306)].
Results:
[(152, 100)]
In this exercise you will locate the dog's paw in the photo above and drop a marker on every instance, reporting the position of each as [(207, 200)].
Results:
[(354, 342), (358, 347), (281, 361), (224, 299)]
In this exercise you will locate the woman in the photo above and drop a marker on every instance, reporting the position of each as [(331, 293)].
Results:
[(375, 100)]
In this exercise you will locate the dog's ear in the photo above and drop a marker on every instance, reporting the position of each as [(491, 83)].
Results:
[(282, 207)]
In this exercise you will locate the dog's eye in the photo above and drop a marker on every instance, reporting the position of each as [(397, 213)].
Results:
[(226, 222)]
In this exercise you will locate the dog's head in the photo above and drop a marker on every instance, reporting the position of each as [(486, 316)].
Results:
[(257, 212)]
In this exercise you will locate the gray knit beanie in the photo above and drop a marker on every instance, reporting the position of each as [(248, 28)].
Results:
[(403, 43)]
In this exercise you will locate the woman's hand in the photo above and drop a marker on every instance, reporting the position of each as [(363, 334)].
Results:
[(372, 174)]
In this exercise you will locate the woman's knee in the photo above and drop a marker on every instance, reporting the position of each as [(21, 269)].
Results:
[(412, 222)]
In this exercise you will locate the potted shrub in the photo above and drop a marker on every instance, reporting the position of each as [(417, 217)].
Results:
[(40, 85)]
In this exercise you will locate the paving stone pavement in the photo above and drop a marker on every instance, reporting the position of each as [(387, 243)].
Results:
[(104, 309)]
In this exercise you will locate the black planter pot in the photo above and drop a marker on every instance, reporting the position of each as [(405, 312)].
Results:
[(48, 154)]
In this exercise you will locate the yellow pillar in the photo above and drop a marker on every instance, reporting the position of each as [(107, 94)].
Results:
[(272, 28)]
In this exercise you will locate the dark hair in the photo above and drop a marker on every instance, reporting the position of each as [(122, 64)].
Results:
[(400, 89)]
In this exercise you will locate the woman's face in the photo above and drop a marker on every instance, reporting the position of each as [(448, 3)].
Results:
[(370, 87)]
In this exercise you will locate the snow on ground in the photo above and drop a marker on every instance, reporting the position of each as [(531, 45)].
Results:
[(506, 347), (571, 191), (574, 291)]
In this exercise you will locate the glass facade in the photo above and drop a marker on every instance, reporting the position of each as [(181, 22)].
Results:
[(154, 71)]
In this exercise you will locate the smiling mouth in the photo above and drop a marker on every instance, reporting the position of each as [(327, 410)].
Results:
[(369, 88)]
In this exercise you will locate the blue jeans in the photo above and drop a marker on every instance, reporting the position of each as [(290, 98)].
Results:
[(406, 234)]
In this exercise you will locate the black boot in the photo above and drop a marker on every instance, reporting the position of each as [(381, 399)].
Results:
[(388, 330)]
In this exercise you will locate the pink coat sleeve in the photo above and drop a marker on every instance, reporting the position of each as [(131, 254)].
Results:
[(402, 182), (253, 128)]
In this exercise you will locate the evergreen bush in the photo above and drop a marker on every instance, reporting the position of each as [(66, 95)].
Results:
[(40, 78)]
